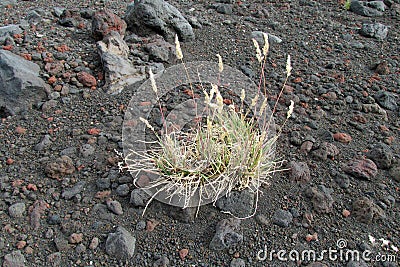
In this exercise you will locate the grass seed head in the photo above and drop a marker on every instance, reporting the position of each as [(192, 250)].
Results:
[(290, 111), (153, 81), (254, 101), (263, 106), (266, 44), (220, 64), (146, 122), (242, 95), (207, 99), (214, 89), (288, 66), (178, 49), (232, 107), (258, 51)]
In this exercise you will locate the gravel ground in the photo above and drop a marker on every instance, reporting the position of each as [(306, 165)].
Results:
[(342, 143)]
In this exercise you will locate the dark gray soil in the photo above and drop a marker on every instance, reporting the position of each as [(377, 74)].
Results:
[(332, 193)]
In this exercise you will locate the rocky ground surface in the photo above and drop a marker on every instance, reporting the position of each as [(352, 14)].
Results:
[(62, 103)]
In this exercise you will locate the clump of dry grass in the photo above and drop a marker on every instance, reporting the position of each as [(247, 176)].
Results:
[(229, 151)]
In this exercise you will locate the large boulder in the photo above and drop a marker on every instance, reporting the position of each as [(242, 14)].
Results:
[(20, 84), (104, 22), (147, 16), (367, 9), (119, 70)]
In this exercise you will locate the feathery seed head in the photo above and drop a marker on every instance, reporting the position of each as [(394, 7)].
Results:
[(147, 123), (258, 51), (209, 124), (254, 101), (214, 89), (178, 49), (288, 66), (153, 81), (263, 106), (232, 107), (242, 95), (220, 64), (290, 111), (220, 101), (266, 44)]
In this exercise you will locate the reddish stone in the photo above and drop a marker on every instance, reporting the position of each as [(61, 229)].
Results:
[(52, 80), (67, 75), (100, 75), (146, 103), (28, 250), (58, 88), (54, 68), (17, 183), (297, 80), (93, 131), (383, 128), (104, 22), (382, 68), (81, 25), (27, 56), (313, 237), (330, 96), (36, 211), (113, 161), (103, 194), (288, 89), (9, 229), (7, 47), (342, 137), (389, 140), (21, 244), (183, 253), (346, 213), (360, 118), (76, 238), (32, 187), (142, 181), (94, 243), (62, 166), (48, 59), (227, 101), (62, 48), (20, 130), (17, 36), (361, 168), (86, 79), (151, 224), (9, 161)]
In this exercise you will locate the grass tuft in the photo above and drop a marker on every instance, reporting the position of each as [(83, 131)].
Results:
[(226, 151)]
